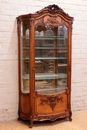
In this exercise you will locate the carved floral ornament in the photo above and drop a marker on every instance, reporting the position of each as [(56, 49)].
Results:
[(51, 101), (52, 21)]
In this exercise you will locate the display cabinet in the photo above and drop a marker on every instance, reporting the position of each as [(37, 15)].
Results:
[(44, 64)]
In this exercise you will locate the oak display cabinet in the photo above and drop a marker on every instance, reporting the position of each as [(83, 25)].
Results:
[(44, 64)]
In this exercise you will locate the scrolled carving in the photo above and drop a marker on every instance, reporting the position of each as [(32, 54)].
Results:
[(52, 21), (51, 9), (53, 117), (51, 100)]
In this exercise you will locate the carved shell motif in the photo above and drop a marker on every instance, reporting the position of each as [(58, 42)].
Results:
[(51, 101)]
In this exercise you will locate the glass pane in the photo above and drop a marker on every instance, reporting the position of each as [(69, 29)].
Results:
[(50, 59), (25, 56)]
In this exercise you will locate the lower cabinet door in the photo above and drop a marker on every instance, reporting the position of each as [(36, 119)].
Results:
[(47, 106)]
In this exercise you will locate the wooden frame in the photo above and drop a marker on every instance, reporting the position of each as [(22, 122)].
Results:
[(34, 106)]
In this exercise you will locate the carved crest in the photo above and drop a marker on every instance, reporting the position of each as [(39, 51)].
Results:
[(51, 9), (52, 21), (51, 101)]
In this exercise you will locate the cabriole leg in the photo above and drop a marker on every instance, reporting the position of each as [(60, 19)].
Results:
[(31, 123), (70, 116)]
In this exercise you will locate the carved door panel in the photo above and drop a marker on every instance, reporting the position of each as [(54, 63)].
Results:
[(51, 104)]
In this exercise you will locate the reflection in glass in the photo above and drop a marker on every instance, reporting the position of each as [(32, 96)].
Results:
[(50, 59)]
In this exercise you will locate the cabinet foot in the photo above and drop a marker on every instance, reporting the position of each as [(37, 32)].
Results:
[(19, 118), (70, 116), (31, 124)]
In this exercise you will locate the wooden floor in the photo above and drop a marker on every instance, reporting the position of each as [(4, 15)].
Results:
[(79, 122)]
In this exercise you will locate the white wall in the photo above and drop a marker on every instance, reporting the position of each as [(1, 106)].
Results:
[(9, 10)]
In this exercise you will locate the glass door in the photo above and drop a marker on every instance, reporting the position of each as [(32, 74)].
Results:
[(50, 59)]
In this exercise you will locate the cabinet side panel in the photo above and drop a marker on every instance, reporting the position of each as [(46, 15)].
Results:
[(25, 105)]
